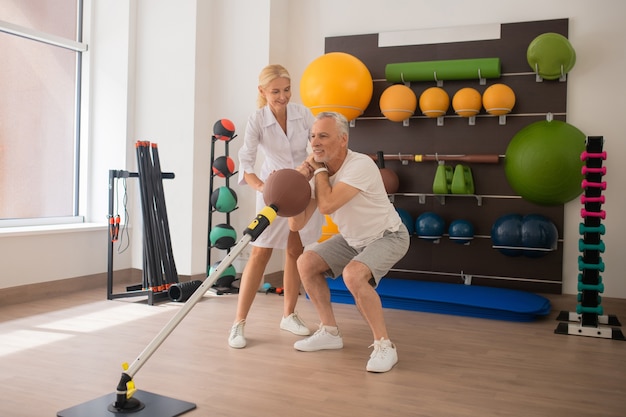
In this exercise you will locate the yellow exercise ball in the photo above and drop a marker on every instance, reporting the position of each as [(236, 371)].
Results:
[(434, 102), (337, 82), (329, 228), (398, 102), (467, 102), (498, 99)]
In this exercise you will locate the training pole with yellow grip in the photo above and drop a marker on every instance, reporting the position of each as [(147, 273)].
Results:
[(126, 388)]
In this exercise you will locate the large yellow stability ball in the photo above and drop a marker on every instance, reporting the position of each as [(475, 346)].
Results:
[(398, 102), (337, 82)]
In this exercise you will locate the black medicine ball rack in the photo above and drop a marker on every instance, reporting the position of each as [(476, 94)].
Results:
[(589, 318), (220, 133), (159, 269)]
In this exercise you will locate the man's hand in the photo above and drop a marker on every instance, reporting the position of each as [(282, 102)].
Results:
[(306, 169), (314, 164)]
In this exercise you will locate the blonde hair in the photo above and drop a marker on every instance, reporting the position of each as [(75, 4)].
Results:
[(267, 75)]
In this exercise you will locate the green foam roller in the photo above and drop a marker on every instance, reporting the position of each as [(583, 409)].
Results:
[(455, 69)]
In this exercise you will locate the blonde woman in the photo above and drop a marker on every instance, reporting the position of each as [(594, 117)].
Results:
[(279, 130)]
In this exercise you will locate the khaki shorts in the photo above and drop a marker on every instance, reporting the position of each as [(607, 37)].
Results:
[(379, 256)]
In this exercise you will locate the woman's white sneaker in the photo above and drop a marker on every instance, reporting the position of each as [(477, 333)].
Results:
[(294, 324), (236, 339)]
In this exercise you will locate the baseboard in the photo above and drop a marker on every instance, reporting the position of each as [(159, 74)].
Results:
[(63, 287)]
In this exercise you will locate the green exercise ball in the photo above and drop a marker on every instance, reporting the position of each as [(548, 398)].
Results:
[(542, 162), (224, 199), (551, 55), (223, 236), (226, 278)]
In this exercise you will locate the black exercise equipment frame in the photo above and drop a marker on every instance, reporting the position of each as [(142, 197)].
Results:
[(135, 290)]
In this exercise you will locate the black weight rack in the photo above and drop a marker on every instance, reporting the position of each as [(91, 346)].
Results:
[(159, 269), (226, 153), (589, 319)]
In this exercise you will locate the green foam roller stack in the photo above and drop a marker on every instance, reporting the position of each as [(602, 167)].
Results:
[(455, 69)]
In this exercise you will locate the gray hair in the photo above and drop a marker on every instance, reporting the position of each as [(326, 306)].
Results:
[(340, 120)]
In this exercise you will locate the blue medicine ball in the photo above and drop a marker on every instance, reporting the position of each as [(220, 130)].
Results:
[(429, 226), (538, 232), (461, 231), (407, 220), (506, 234)]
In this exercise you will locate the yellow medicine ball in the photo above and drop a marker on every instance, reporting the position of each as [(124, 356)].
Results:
[(337, 82), (398, 102), (498, 99), (467, 102), (434, 102)]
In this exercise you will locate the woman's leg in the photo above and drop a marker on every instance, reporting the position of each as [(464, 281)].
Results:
[(251, 280), (291, 277)]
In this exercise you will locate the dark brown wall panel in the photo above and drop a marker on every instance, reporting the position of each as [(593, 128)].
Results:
[(446, 260)]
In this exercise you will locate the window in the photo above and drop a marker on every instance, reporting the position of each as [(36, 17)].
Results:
[(40, 76)]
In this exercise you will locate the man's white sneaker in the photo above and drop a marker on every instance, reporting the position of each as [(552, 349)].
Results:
[(236, 339), (320, 340), (384, 356), (294, 324)]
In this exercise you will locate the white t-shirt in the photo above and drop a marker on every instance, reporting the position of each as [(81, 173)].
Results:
[(368, 214), (264, 134)]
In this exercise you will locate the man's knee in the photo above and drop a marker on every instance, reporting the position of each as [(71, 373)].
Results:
[(310, 264), (355, 275)]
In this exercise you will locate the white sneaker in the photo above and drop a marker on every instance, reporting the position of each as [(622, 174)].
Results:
[(320, 340), (384, 356), (294, 324), (236, 339)]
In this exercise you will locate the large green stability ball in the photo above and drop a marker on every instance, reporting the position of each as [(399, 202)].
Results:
[(542, 162)]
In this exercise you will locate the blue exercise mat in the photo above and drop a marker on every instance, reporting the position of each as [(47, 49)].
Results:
[(456, 299)]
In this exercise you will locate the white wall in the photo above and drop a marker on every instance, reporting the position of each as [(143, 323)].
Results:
[(166, 71)]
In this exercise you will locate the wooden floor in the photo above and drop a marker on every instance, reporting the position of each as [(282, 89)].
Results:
[(61, 352)]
